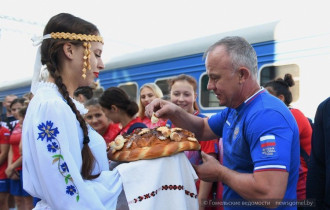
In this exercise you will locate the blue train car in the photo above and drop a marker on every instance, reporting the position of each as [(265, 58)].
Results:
[(282, 47), (157, 65), (302, 49)]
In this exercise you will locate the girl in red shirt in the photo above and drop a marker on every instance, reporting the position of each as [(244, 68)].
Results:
[(183, 92), (14, 169), (4, 181), (120, 109), (97, 119)]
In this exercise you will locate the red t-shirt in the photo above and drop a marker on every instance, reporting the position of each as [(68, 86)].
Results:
[(4, 139), (14, 140), (111, 133), (305, 136), (125, 129)]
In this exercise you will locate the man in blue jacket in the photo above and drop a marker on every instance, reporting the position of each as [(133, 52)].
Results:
[(318, 175)]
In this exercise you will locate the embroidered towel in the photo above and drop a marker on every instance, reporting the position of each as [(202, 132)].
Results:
[(162, 183)]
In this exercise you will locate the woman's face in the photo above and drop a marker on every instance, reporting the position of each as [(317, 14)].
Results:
[(183, 95), (15, 109), (97, 119), (146, 96), (112, 115), (95, 62)]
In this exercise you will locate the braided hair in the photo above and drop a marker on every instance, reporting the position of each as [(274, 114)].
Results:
[(51, 50)]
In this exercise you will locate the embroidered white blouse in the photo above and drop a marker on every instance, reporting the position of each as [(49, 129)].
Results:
[(52, 142)]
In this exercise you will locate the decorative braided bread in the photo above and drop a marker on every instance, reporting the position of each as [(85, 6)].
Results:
[(153, 143)]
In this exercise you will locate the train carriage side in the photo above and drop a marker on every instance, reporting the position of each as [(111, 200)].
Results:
[(152, 72), (131, 71), (132, 78)]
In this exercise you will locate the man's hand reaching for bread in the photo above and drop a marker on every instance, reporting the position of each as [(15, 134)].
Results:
[(160, 109)]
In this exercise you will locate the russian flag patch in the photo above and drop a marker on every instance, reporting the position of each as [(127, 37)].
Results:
[(267, 141), (268, 145)]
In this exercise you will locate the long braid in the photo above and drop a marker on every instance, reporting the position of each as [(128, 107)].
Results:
[(88, 158)]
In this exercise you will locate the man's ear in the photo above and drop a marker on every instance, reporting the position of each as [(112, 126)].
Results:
[(243, 74), (68, 50)]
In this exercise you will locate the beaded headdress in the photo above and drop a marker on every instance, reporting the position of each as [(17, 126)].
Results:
[(87, 45), (86, 39)]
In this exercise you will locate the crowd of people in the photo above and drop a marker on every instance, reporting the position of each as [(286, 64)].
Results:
[(259, 148)]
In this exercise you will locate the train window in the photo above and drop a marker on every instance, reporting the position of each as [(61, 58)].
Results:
[(272, 72), (163, 85), (207, 97), (131, 89)]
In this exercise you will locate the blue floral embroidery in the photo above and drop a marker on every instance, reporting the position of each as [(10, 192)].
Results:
[(71, 190), (64, 167), (50, 133), (52, 147), (47, 131)]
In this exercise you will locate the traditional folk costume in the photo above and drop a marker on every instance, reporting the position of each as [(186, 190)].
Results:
[(52, 142)]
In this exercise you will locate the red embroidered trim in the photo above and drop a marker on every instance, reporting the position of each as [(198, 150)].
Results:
[(164, 187)]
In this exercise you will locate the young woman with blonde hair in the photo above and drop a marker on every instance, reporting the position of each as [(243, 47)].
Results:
[(149, 92)]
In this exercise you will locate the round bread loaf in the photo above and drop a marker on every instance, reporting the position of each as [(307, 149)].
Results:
[(147, 143)]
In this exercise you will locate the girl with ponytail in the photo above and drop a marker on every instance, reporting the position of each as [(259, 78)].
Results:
[(118, 107), (65, 162)]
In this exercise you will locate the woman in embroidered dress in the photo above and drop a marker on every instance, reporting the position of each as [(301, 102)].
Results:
[(65, 162), (183, 92), (120, 109), (149, 92)]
